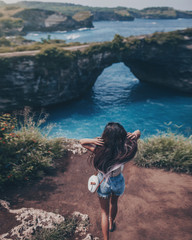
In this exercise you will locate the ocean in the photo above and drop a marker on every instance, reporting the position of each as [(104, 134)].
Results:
[(117, 94)]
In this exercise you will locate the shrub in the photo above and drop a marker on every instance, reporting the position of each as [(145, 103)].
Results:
[(8, 8), (169, 38), (26, 152), (62, 231), (117, 41), (168, 151), (4, 42), (54, 57), (9, 23)]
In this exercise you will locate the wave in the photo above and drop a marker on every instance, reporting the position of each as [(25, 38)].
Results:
[(83, 29), (72, 36), (155, 103), (61, 31)]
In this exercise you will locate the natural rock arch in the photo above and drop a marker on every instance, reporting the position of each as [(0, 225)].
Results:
[(56, 76)]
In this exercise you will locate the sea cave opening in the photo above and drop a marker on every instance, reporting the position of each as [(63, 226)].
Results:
[(115, 85)]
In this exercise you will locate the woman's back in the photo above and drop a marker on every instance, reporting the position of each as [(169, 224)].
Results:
[(111, 151)]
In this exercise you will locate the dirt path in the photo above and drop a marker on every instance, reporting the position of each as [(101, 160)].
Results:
[(34, 52), (156, 205)]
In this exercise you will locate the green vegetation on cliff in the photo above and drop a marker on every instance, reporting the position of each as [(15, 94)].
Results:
[(10, 23), (158, 12), (25, 152), (51, 58), (19, 44), (168, 151), (171, 39)]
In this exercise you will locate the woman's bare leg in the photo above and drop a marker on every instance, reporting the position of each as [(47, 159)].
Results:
[(105, 217), (113, 209)]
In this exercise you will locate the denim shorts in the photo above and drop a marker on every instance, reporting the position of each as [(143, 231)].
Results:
[(115, 186)]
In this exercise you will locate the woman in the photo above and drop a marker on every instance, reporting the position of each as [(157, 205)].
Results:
[(111, 151)]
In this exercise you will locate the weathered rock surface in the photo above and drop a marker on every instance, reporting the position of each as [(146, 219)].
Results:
[(30, 220), (55, 77), (46, 20)]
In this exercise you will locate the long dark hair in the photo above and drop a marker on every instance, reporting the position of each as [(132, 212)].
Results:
[(117, 148)]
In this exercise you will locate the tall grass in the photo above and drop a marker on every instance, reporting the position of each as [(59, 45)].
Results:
[(25, 151), (167, 150)]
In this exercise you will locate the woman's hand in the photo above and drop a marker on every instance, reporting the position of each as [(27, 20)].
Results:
[(134, 136), (98, 141)]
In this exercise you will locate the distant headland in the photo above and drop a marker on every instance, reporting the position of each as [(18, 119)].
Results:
[(27, 16)]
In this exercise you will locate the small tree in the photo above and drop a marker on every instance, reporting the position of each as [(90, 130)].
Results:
[(117, 41)]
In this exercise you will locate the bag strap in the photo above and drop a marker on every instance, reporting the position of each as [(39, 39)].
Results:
[(99, 184)]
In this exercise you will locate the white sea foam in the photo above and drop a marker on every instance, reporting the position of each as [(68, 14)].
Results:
[(73, 36), (61, 31), (83, 29), (134, 79), (155, 103), (154, 23), (10, 37)]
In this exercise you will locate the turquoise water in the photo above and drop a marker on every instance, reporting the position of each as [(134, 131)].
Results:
[(105, 30), (117, 94)]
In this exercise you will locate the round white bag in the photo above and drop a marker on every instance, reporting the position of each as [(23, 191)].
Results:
[(93, 183)]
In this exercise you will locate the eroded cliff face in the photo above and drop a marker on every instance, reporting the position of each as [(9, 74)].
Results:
[(57, 76), (166, 62), (34, 81), (111, 16), (46, 20)]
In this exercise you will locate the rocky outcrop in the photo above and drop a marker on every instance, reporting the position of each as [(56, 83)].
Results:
[(31, 220), (45, 20), (160, 13), (111, 16), (56, 76)]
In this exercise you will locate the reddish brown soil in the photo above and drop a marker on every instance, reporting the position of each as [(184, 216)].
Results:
[(156, 205)]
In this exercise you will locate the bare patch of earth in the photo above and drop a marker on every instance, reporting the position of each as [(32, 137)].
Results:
[(156, 205)]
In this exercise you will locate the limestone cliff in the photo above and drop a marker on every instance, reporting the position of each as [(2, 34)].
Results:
[(45, 20), (54, 75)]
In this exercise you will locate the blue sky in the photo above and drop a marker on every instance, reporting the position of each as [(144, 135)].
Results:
[(139, 4)]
